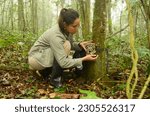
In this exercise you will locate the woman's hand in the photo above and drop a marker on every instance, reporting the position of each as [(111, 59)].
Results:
[(85, 43), (90, 57)]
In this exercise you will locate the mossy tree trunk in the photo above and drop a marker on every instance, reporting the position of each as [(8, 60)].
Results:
[(97, 70)]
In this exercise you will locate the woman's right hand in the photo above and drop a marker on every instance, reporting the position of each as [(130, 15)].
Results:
[(90, 57)]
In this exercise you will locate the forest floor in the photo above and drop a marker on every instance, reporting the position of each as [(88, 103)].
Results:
[(18, 82), (22, 84)]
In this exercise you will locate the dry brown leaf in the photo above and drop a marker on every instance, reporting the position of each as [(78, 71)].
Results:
[(42, 92)]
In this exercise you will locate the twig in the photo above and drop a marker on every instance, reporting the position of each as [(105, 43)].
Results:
[(117, 32)]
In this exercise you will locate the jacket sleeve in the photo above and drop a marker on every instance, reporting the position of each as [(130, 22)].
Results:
[(74, 45), (60, 54)]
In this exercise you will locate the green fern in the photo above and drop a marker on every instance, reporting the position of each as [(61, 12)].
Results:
[(89, 94)]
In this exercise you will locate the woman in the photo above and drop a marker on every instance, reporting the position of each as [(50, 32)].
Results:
[(49, 54)]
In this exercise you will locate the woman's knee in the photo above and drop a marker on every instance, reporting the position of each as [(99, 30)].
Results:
[(67, 47)]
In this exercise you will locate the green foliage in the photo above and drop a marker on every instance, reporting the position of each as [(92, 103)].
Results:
[(15, 37), (30, 80), (143, 52), (148, 69), (121, 87), (60, 90), (14, 49), (133, 2), (57, 97), (2, 43), (89, 94), (120, 54), (30, 91)]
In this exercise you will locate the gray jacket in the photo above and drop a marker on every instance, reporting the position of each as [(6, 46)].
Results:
[(50, 45)]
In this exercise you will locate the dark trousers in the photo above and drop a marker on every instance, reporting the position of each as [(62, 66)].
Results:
[(56, 70)]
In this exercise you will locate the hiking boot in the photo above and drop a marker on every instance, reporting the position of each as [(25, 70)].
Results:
[(56, 82)]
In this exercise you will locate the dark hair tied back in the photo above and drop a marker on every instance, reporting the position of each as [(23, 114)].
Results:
[(63, 10), (67, 16)]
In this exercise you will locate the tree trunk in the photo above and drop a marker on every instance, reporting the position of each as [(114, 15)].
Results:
[(27, 15), (3, 15), (34, 17), (12, 16), (120, 23), (109, 17), (84, 9), (62, 3), (148, 32), (146, 7), (136, 22), (43, 16), (97, 70), (21, 20)]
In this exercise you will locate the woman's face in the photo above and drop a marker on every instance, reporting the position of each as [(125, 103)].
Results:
[(73, 28)]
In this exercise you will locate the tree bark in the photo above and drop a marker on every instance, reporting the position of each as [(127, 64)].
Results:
[(109, 17), (97, 70), (146, 7), (43, 16), (34, 17), (21, 19), (3, 15), (84, 9), (12, 15)]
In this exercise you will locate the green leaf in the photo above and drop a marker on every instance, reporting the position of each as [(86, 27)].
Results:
[(2, 43), (60, 90), (89, 94)]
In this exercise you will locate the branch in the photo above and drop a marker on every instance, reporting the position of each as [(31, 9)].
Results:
[(117, 32)]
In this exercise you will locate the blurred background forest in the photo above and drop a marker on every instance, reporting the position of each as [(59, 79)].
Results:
[(104, 21)]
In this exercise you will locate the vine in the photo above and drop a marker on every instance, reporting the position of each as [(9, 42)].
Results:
[(130, 89), (134, 71)]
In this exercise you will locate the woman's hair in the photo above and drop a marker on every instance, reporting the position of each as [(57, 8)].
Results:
[(67, 16)]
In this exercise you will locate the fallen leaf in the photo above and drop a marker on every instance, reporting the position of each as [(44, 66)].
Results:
[(42, 92)]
